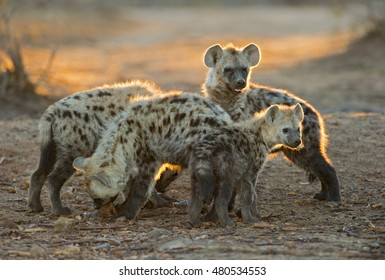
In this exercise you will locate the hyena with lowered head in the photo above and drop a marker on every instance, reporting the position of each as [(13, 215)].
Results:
[(72, 127), (148, 134), (228, 84), (234, 156)]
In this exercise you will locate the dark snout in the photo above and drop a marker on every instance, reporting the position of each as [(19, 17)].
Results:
[(241, 83), (294, 143), (98, 202), (297, 143)]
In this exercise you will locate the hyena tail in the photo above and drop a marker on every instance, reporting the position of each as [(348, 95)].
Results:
[(206, 178), (47, 145)]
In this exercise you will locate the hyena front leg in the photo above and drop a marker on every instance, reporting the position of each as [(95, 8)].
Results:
[(61, 173), (166, 178), (139, 189), (318, 165)]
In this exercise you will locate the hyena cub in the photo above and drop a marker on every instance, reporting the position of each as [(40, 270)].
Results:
[(228, 85), (72, 127), (234, 156), (147, 135)]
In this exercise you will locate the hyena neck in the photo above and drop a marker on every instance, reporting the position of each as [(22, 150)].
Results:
[(262, 133), (111, 151), (223, 95)]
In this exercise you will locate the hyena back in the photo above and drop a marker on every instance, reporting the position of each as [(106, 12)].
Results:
[(247, 144), (228, 84), (147, 135), (72, 127)]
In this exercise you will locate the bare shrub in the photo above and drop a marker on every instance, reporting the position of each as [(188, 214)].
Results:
[(13, 75)]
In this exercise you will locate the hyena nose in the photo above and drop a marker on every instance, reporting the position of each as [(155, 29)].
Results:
[(241, 83), (98, 203), (297, 142)]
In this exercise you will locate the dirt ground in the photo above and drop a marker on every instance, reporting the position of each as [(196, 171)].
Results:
[(307, 50)]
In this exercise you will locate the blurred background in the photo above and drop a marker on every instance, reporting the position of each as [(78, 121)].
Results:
[(328, 52)]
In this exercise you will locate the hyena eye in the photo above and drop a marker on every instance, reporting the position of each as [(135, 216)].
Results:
[(299, 129), (244, 69), (228, 69), (285, 130)]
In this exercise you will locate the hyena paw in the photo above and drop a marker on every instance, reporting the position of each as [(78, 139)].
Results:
[(250, 219), (227, 223), (62, 211), (320, 196), (123, 213), (35, 207)]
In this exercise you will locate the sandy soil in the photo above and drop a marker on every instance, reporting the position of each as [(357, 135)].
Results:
[(305, 49)]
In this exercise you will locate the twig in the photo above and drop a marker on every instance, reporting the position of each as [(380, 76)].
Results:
[(102, 228), (88, 228), (44, 74)]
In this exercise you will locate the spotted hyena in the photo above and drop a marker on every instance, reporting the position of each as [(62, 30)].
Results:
[(234, 156), (228, 84), (72, 127), (147, 135)]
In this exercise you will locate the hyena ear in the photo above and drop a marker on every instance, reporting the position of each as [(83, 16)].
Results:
[(272, 114), (298, 112), (253, 54), (212, 55), (79, 164)]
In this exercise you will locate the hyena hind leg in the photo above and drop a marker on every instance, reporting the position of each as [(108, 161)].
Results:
[(39, 176), (248, 198), (196, 202), (61, 173), (225, 191)]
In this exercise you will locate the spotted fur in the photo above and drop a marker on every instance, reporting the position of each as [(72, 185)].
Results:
[(147, 135), (235, 155), (228, 84), (72, 127)]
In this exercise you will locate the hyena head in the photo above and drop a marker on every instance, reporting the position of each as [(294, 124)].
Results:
[(229, 67), (103, 180), (284, 125)]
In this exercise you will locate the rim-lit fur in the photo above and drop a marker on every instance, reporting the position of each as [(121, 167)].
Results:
[(254, 98), (234, 156)]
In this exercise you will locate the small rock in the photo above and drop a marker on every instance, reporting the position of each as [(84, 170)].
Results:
[(159, 232), (102, 246), (71, 249), (291, 245), (375, 245), (175, 244), (37, 252), (200, 237), (25, 184), (10, 189), (107, 211), (64, 224), (114, 242), (91, 215)]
